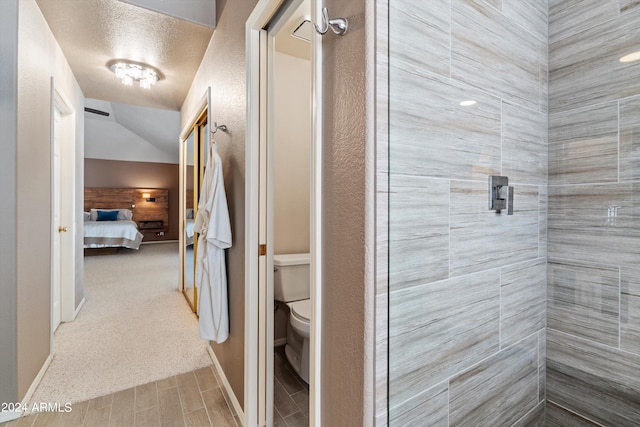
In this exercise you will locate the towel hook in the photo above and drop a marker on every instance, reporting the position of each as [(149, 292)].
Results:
[(223, 128), (338, 25)]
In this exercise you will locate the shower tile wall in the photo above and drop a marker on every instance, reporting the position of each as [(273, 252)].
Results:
[(466, 286), (593, 306)]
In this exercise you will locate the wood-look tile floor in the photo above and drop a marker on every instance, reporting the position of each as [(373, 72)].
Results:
[(191, 399), (290, 394)]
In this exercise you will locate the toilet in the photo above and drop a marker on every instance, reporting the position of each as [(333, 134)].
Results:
[(292, 286)]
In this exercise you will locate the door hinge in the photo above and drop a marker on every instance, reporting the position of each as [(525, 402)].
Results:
[(262, 250)]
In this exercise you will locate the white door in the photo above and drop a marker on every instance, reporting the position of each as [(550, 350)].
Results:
[(58, 228), (259, 394)]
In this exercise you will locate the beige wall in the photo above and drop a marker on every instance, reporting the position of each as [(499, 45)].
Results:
[(291, 158), (291, 154), (223, 68), (115, 173), (39, 58), (8, 124), (347, 218)]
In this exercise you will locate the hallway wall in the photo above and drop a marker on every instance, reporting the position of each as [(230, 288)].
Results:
[(40, 58), (466, 286), (593, 350), (223, 68), (8, 195)]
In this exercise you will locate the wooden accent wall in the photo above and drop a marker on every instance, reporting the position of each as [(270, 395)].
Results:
[(125, 198)]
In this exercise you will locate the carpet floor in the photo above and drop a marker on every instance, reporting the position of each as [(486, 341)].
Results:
[(135, 328)]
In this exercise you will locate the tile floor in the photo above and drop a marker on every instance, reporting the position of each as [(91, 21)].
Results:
[(191, 399), (290, 394)]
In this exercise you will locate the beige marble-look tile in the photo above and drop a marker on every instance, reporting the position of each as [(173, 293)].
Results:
[(414, 24), (282, 401), (189, 392), (146, 396), (122, 409), (491, 52), (418, 230), (530, 15), (629, 139), (583, 300), (499, 390), (170, 408), (598, 382), (96, 417), (630, 309), (477, 232), (560, 417), (583, 145), (432, 135), (197, 418), (629, 5), (101, 402), (166, 383), (524, 145), (217, 408), (206, 379), (522, 300), (584, 69), (147, 418), (535, 417), (297, 420), (569, 17), (429, 408), (439, 329)]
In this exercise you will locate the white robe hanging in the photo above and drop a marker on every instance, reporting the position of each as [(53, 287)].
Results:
[(212, 224)]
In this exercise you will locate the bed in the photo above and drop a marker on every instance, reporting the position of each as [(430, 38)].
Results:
[(111, 228)]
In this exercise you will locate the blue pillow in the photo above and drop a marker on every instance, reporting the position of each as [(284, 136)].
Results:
[(107, 216)]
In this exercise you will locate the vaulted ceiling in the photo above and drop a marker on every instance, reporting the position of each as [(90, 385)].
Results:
[(92, 32)]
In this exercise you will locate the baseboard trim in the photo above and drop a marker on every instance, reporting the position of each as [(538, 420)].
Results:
[(9, 416), (75, 314), (279, 342), (36, 382), (228, 391)]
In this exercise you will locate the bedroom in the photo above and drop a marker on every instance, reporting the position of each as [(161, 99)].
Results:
[(131, 162)]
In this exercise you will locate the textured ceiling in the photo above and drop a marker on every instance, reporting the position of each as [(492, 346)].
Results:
[(91, 32)]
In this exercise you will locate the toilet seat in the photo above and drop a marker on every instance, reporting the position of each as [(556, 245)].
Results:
[(300, 316), (301, 309)]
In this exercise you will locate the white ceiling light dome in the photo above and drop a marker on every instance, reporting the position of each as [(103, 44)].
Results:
[(131, 71)]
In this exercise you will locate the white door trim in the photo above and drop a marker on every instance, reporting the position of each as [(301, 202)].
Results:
[(257, 399), (61, 103)]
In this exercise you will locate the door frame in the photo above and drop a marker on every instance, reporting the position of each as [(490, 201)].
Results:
[(67, 175), (258, 373)]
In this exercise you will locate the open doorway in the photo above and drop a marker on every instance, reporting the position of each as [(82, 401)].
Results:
[(282, 221)]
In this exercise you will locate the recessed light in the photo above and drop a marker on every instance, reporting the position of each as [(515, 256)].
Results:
[(468, 103), (635, 56)]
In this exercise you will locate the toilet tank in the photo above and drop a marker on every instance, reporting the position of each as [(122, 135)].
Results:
[(291, 277)]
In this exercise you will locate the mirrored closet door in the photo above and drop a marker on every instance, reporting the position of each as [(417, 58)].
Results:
[(194, 146)]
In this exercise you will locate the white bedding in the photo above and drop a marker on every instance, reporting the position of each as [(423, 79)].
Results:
[(188, 230), (105, 234)]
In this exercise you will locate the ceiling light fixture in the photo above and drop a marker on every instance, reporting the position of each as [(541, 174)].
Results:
[(631, 57), (131, 71), (468, 103)]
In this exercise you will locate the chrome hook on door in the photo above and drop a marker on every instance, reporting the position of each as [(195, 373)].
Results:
[(338, 25)]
